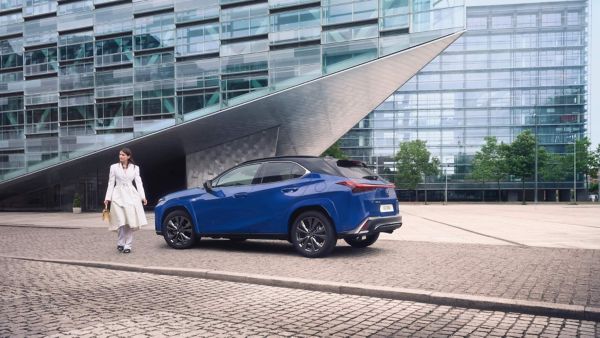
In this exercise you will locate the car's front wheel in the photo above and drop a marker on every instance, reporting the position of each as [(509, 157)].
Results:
[(362, 241), (313, 235), (178, 230)]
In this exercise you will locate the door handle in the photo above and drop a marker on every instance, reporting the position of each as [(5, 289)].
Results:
[(241, 195), (287, 190)]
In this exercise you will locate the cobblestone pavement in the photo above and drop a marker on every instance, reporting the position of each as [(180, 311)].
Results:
[(565, 276), (45, 299)]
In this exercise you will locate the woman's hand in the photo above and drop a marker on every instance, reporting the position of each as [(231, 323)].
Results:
[(144, 201), (106, 204)]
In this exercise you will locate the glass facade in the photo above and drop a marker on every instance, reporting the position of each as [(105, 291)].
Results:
[(79, 76), (518, 67)]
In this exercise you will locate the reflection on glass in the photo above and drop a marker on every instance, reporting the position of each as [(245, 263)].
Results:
[(105, 71)]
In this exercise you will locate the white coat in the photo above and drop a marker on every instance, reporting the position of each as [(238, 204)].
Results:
[(126, 201)]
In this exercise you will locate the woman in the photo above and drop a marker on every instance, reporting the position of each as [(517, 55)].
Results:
[(127, 213)]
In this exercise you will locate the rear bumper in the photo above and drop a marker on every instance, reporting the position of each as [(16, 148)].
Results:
[(375, 224)]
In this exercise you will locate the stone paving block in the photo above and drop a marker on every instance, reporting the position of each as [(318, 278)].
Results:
[(256, 305), (545, 274)]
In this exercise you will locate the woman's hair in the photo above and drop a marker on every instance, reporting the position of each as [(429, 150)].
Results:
[(128, 152)]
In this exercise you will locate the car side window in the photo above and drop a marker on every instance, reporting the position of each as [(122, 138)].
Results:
[(238, 176), (279, 171)]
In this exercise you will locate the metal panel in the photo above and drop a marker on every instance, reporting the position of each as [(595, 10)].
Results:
[(310, 117), (208, 163)]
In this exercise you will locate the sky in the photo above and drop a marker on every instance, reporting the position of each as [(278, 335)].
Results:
[(593, 131)]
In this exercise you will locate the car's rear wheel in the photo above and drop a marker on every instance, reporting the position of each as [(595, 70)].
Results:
[(313, 235), (178, 230), (362, 241)]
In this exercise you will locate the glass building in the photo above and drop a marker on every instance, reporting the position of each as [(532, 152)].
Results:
[(193, 86), (520, 66)]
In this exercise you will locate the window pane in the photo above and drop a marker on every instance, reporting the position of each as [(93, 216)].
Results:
[(279, 171), (239, 176)]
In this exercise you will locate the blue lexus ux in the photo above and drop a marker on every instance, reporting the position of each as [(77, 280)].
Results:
[(309, 201)]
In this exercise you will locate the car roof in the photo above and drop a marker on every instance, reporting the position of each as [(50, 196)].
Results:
[(279, 158), (325, 165)]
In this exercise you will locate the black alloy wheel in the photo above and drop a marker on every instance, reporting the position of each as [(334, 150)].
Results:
[(362, 241), (178, 230), (313, 235)]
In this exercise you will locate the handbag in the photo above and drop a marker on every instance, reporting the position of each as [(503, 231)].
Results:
[(106, 215)]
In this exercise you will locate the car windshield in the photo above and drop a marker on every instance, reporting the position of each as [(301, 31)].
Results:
[(356, 169)]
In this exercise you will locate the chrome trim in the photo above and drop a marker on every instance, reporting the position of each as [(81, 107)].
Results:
[(356, 231)]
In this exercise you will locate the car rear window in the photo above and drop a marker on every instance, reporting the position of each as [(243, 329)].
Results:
[(355, 169)]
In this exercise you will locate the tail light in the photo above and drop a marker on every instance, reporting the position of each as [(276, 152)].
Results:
[(357, 187)]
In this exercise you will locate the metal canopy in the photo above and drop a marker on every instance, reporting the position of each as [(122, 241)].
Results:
[(310, 117)]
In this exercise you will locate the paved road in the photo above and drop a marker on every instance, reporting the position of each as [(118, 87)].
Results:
[(45, 299), (508, 253), (545, 225), (565, 276)]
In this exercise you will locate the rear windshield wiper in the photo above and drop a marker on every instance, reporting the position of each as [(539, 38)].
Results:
[(371, 177)]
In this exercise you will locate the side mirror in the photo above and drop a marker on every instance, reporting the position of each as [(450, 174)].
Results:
[(208, 186)]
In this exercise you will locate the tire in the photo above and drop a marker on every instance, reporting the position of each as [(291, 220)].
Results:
[(178, 230), (362, 241), (313, 235)]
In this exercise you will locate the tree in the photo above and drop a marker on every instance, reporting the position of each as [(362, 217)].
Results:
[(487, 164), (335, 151), (519, 158), (595, 163), (585, 159), (595, 167), (413, 162), (553, 166)]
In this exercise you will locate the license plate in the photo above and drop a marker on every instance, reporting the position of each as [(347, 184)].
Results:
[(386, 208)]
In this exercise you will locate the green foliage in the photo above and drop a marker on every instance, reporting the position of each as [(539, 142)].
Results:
[(595, 163), (413, 162), (496, 161), (520, 156), (585, 161), (553, 166), (335, 151), (76, 201), (487, 163)]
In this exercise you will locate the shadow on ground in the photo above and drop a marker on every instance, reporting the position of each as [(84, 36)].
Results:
[(277, 248)]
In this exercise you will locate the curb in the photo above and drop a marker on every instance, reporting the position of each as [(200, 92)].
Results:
[(579, 312)]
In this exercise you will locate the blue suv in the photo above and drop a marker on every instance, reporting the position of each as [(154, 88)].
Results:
[(309, 201)]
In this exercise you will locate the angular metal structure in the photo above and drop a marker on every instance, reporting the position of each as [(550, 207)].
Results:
[(297, 77)]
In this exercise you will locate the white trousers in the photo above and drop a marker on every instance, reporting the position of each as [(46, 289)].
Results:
[(125, 238)]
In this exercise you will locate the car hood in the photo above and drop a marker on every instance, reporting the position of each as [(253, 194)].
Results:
[(185, 194)]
